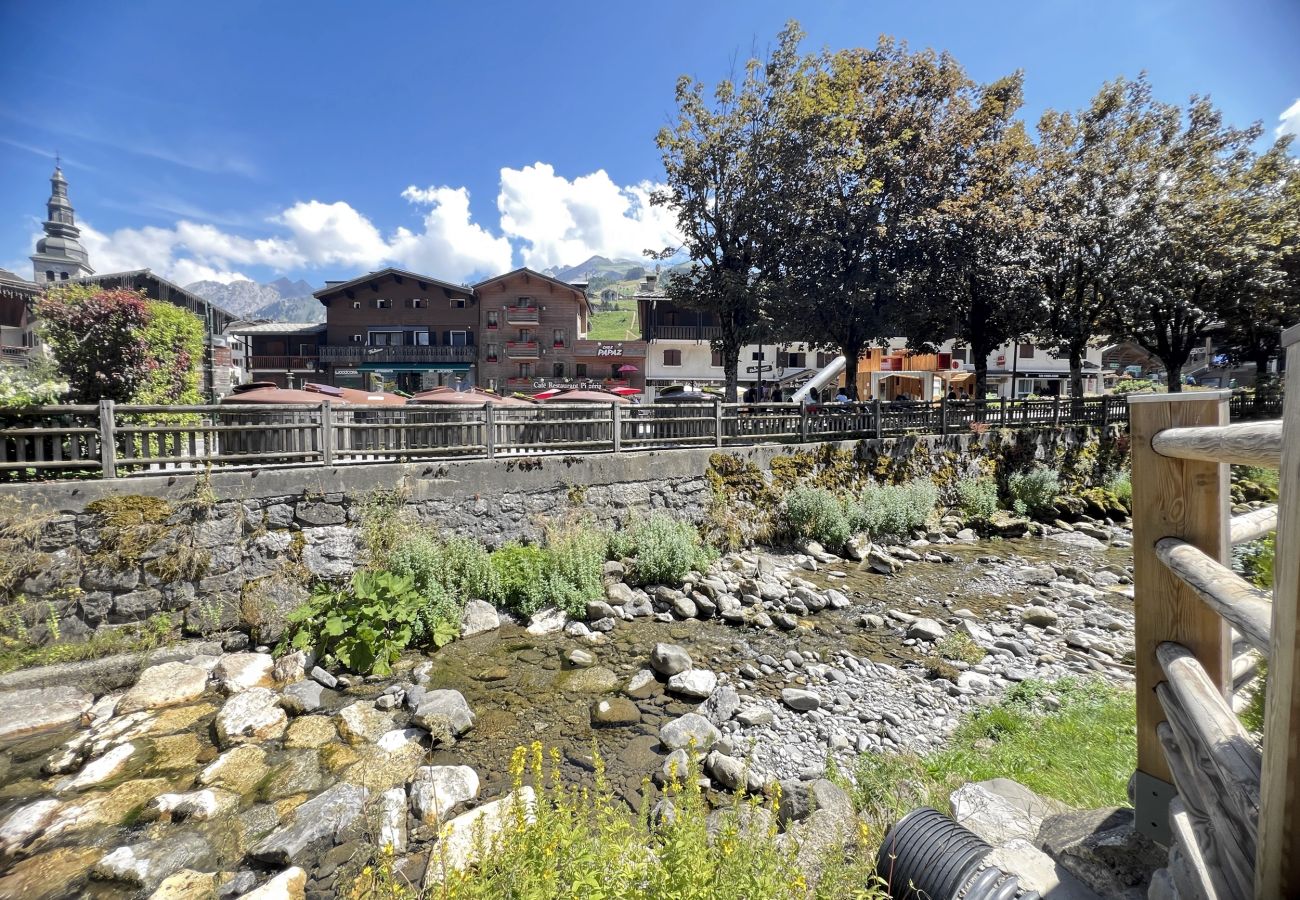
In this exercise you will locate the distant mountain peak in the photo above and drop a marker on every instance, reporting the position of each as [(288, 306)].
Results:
[(593, 266), (275, 301)]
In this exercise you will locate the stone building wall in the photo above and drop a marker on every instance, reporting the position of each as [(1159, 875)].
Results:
[(218, 551)]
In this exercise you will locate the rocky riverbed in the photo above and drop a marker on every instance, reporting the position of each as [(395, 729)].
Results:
[(237, 774)]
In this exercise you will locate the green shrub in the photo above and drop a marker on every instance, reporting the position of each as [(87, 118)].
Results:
[(578, 555), (1137, 386), (446, 573), (664, 548), (523, 576), (977, 498), (815, 513), (959, 645), (1120, 485), (364, 626), (1034, 493), (893, 510)]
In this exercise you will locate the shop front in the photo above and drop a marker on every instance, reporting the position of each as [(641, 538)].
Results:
[(408, 378)]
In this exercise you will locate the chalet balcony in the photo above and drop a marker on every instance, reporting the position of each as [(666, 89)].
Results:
[(15, 355), (523, 350), (521, 315), (360, 353), (284, 363), (686, 332)]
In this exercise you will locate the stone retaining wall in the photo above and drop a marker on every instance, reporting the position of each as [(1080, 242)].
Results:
[(220, 550)]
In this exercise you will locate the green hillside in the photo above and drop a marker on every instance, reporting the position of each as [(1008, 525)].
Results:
[(618, 324)]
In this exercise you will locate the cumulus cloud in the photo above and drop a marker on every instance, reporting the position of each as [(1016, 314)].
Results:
[(1289, 120), (563, 222), (550, 219)]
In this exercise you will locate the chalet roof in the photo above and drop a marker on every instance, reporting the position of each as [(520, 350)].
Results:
[(10, 278), (276, 328), (336, 287), (151, 275), (533, 273)]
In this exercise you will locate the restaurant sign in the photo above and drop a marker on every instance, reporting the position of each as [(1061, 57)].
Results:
[(546, 384), (609, 350)]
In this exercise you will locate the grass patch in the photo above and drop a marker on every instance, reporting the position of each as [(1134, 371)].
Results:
[(157, 631), (1081, 752), (619, 324)]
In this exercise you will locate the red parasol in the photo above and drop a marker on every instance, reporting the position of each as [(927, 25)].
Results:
[(583, 397), (625, 391), (628, 367)]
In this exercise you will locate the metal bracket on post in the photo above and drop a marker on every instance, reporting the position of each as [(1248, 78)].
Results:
[(616, 416), (107, 440), (1151, 798), (490, 430), (717, 423), (327, 433)]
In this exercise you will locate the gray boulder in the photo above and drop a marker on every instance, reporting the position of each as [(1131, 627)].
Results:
[(680, 732), (800, 700), (326, 815), (721, 705), (697, 683), (444, 706), (669, 659), (479, 616)]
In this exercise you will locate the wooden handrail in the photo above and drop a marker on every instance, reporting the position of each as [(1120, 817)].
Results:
[(1253, 525), (1243, 444), (1240, 604)]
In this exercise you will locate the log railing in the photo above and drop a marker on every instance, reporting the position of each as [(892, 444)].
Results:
[(1227, 811)]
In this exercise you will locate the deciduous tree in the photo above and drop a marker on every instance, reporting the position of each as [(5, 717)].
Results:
[(98, 340), (718, 156)]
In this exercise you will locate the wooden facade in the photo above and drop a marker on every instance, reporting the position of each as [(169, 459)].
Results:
[(532, 325)]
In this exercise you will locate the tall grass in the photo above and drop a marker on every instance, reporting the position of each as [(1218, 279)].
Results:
[(664, 548), (893, 510)]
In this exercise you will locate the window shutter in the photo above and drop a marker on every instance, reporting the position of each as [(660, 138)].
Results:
[(446, 338), (469, 339)]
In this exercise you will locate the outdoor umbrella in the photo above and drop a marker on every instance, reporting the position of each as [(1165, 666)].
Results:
[(628, 367), (354, 395), (471, 397), (272, 394), (625, 391), (546, 395)]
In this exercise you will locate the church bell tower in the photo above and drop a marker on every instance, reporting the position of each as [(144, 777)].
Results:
[(59, 255)]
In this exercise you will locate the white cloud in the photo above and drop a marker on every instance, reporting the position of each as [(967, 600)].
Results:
[(563, 222), (1289, 120), (552, 220)]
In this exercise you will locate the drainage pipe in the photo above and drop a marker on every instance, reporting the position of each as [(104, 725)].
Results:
[(928, 856)]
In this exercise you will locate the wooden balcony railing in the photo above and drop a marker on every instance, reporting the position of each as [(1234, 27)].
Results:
[(15, 353), (523, 349), (686, 332), (284, 363), (360, 353), (1203, 787), (521, 315)]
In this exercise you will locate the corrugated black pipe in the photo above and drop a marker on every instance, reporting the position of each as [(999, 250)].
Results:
[(928, 856)]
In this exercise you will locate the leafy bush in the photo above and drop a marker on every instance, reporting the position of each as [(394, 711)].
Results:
[(20, 387), (893, 510), (664, 548), (523, 576), (577, 559), (978, 498), (1137, 386), (959, 645), (1120, 485), (364, 626), (446, 573), (1034, 493), (816, 513)]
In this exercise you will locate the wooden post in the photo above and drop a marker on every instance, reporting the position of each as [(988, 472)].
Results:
[(616, 415), (1277, 866), (717, 423), (803, 423), (1003, 403), (1056, 410), (327, 433), (943, 415), (489, 429), (880, 423), (1185, 499), (107, 440)]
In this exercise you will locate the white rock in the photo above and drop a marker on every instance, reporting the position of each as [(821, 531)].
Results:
[(97, 771), (697, 683), (547, 621), (201, 805), (437, 790), (240, 671), (999, 810), (168, 684), (291, 884), (463, 835), (35, 710), (479, 616), (392, 819), (361, 723), (400, 738), (250, 716), (26, 823)]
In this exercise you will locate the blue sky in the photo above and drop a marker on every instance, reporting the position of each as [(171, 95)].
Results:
[(323, 139)]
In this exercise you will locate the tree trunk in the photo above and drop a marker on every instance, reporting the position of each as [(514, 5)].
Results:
[(850, 368), (1076, 382), (730, 367), (1174, 374), (981, 376)]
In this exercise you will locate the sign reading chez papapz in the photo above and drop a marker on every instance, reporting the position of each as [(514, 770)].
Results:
[(609, 350)]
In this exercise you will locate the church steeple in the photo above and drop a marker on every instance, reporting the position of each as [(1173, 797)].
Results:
[(59, 255)]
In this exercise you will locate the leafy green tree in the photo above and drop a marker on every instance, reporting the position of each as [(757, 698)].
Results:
[(718, 157), (1203, 249), (97, 338), (21, 386), (1094, 196), (174, 338), (864, 169), (974, 283), (1264, 295)]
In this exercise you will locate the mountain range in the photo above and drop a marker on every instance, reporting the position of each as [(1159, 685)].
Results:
[(281, 300), (620, 269)]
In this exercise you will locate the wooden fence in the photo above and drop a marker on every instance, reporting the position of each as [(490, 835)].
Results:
[(112, 441), (1227, 811)]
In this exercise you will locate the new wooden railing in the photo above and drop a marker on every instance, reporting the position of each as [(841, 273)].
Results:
[(1227, 811)]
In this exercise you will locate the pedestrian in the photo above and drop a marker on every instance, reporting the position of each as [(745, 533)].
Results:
[(841, 396)]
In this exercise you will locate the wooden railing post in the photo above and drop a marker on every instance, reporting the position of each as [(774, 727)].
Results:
[(327, 433), (803, 423), (717, 423), (880, 422), (490, 429), (1003, 402), (1056, 410), (107, 440), (943, 415), (616, 416), (1277, 866), (1185, 499)]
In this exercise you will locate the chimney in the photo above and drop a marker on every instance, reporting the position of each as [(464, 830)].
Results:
[(650, 281)]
